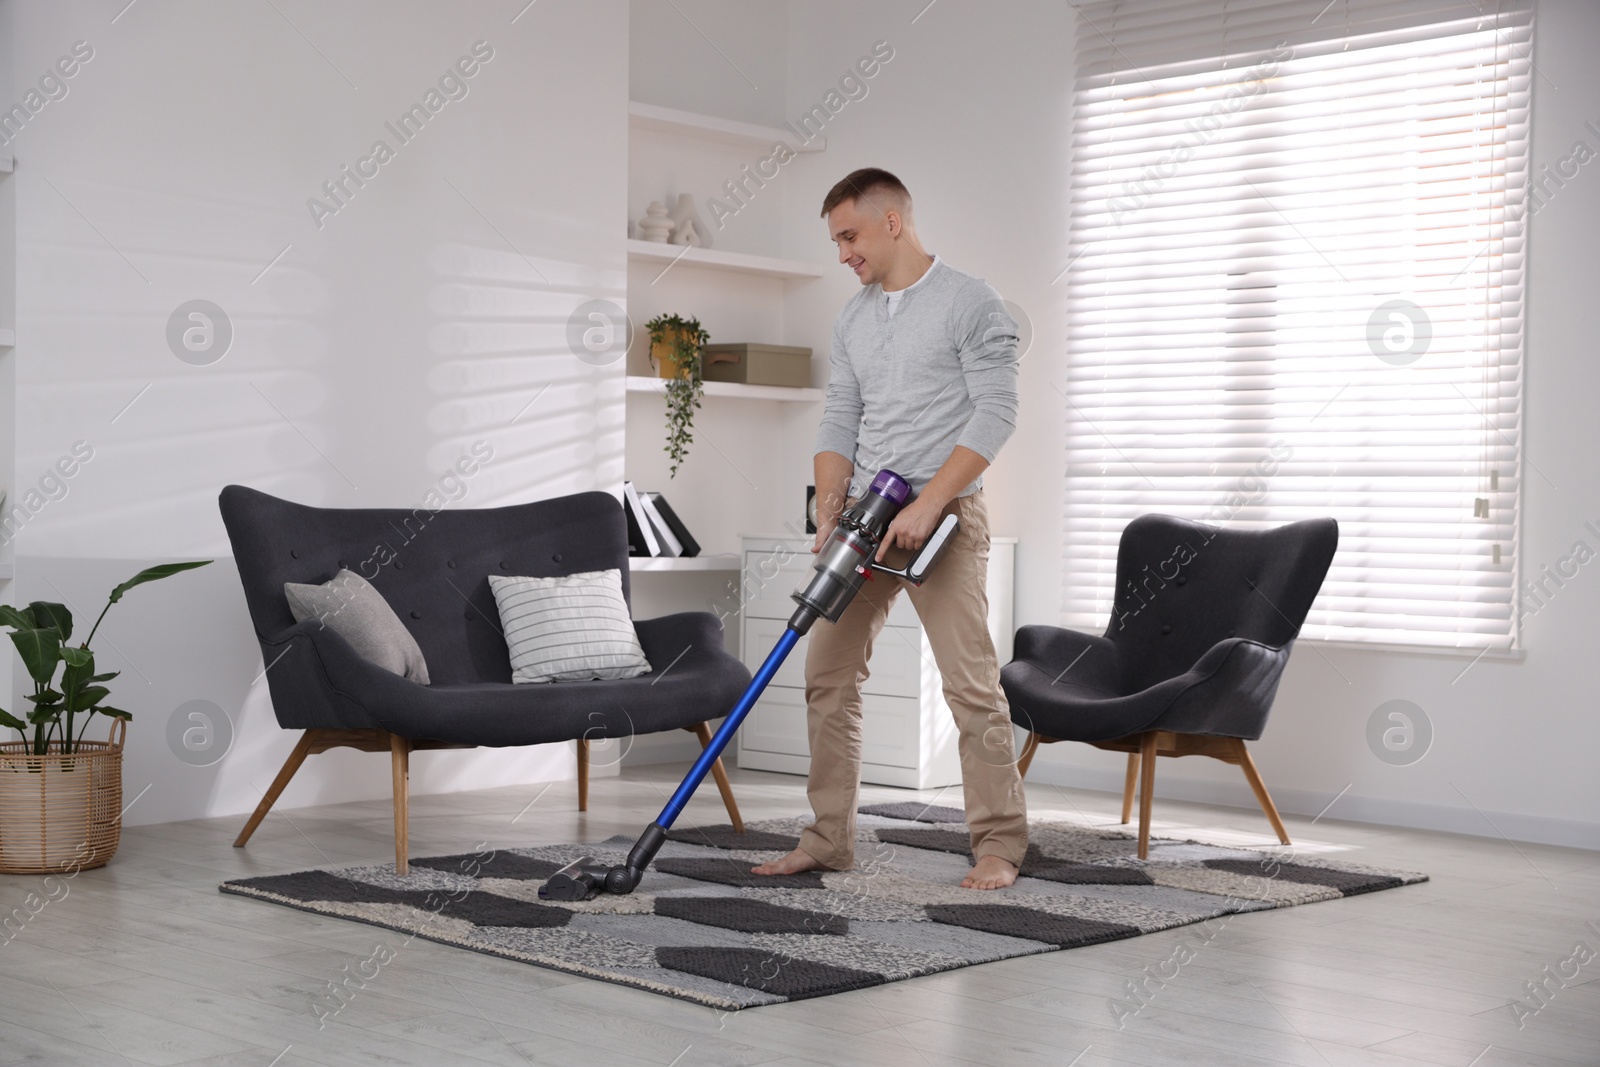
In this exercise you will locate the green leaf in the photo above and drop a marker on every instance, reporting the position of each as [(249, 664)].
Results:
[(39, 715), (8, 719), (151, 574), (80, 664), (17, 620), (40, 649), (92, 695), (44, 698), (55, 615), (102, 677), (72, 683), (115, 713)]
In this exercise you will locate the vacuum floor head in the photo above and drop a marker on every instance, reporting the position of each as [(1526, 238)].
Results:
[(578, 880), (583, 877)]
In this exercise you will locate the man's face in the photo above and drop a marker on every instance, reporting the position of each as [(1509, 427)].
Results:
[(862, 232)]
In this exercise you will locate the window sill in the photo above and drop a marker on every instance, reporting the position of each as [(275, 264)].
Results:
[(1500, 654)]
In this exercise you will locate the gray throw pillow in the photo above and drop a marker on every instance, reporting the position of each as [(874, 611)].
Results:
[(570, 628), (350, 607)]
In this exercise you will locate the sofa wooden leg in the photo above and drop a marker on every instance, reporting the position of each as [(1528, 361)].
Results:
[(1030, 745), (400, 761), (302, 748), (703, 732), (1264, 798), (1127, 787), (583, 774), (1147, 789)]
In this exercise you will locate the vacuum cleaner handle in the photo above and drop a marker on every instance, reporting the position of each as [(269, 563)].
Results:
[(916, 572)]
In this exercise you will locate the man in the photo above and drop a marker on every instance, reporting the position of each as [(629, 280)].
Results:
[(924, 382)]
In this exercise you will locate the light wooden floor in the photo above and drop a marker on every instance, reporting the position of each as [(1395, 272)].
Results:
[(145, 962)]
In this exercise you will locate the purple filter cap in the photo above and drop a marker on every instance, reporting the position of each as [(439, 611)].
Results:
[(891, 486)]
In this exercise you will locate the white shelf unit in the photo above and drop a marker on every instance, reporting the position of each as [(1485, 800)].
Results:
[(726, 561), (638, 383), (713, 128), (908, 737), (674, 147), (713, 259)]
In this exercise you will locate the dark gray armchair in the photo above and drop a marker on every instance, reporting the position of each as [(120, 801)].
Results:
[(1200, 631), (433, 568)]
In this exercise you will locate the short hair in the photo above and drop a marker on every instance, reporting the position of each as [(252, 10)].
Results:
[(858, 183)]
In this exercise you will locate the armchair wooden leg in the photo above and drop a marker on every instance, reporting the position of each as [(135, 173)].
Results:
[(302, 748), (583, 774), (1264, 798), (400, 761), (703, 732), (1030, 745), (1147, 789), (1127, 787)]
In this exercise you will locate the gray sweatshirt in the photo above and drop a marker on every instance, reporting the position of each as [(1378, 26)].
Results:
[(906, 390)]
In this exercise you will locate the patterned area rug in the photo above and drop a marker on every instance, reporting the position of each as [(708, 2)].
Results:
[(702, 928)]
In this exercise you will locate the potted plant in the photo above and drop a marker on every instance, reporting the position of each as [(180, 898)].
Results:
[(60, 795), (676, 347)]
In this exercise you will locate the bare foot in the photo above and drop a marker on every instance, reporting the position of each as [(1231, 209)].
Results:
[(990, 872), (793, 863)]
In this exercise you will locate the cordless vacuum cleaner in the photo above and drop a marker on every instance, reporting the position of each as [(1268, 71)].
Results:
[(842, 565)]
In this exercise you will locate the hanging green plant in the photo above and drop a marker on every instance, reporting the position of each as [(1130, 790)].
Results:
[(676, 347)]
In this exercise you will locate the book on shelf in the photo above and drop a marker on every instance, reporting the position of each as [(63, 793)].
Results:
[(670, 545), (654, 529), (680, 532), (641, 538)]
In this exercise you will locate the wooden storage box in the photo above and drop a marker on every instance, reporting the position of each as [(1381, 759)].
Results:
[(757, 364)]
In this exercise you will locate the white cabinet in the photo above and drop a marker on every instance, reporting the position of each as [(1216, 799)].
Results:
[(907, 736)]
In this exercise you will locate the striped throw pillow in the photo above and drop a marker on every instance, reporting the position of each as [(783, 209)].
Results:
[(571, 628)]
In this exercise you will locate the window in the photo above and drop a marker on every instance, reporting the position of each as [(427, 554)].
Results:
[(1295, 289)]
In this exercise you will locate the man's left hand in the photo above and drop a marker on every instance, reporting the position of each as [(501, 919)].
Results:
[(912, 527)]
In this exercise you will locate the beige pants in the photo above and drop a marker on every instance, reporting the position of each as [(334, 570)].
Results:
[(953, 606)]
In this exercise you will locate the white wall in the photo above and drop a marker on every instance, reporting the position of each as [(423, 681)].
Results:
[(715, 57), (421, 318), (973, 114)]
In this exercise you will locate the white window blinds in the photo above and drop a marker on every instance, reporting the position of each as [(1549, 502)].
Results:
[(1295, 289)]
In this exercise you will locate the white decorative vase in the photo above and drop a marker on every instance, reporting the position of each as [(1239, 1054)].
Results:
[(688, 220), (655, 225)]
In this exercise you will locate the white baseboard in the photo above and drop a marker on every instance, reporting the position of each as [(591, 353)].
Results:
[(1382, 811), (682, 749), (668, 747)]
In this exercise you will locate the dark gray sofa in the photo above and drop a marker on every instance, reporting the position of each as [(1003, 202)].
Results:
[(433, 568)]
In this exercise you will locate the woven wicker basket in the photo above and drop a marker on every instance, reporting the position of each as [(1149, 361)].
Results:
[(60, 812)]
